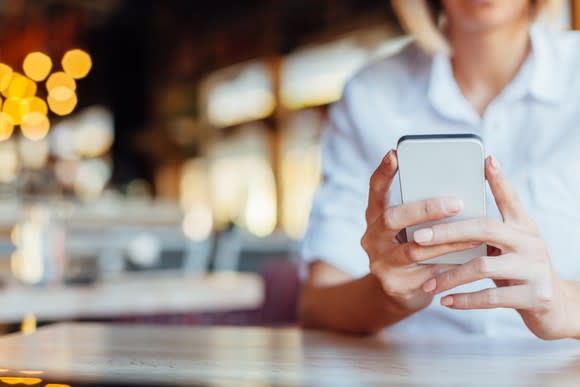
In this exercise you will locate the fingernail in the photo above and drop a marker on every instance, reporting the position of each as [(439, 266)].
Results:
[(494, 163), (423, 236), (388, 159), (430, 285), (447, 301), (453, 205)]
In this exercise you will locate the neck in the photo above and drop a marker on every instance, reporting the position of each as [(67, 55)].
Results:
[(485, 62)]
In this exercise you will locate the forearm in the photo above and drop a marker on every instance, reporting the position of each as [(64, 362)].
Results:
[(573, 308), (357, 306)]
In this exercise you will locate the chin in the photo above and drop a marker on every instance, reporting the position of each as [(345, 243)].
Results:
[(482, 15)]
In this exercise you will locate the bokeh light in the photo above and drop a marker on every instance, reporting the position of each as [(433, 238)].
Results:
[(37, 66), (198, 223), (62, 108), (66, 172), (35, 126), (21, 87), (33, 154), (60, 79), (92, 177), (62, 140), (6, 126), (5, 76), (144, 249), (94, 136), (77, 63), (61, 93), (9, 161), (36, 104), (14, 108)]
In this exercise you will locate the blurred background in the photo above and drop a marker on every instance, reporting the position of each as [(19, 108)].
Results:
[(158, 158)]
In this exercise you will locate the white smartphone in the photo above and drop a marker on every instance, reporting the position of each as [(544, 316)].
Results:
[(444, 165)]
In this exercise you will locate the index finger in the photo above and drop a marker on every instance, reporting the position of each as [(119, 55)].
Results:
[(505, 195), (379, 186)]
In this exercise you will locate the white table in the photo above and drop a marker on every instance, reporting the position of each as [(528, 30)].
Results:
[(262, 357), (135, 294)]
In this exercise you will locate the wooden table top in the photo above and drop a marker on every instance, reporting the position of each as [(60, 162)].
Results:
[(262, 357), (135, 294)]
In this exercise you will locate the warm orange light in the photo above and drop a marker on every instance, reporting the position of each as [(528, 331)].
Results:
[(21, 87), (62, 108), (19, 380), (36, 104), (6, 126), (35, 126), (60, 79), (37, 66), (56, 385), (14, 108), (28, 324), (5, 76), (77, 63), (61, 93)]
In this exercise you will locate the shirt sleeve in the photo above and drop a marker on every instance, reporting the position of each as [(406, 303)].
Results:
[(337, 219)]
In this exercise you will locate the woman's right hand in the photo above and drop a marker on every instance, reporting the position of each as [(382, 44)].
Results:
[(394, 262)]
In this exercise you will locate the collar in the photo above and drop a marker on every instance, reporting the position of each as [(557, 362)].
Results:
[(539, 77), (547, 83)]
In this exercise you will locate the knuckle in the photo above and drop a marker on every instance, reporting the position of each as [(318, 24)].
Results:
[(376, 183), (483, 265), (490, 297), (447, 278), (441, 232), (364, 242), (488, 227), (389, 219), (412, 253), (426, 207), (389, 283)]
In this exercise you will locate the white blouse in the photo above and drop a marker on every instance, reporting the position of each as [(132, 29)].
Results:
[(532, 128)]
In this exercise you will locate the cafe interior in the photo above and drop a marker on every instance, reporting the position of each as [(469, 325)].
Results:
[(158, 160)]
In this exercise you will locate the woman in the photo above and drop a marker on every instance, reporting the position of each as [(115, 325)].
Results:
[(515, 84)]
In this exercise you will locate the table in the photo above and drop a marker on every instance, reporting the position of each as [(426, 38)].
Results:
[(262, 357), (135, 294)]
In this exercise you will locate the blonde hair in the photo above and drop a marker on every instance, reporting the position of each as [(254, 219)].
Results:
[(423, 20)]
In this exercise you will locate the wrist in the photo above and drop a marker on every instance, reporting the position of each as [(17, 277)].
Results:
[(571, 308)]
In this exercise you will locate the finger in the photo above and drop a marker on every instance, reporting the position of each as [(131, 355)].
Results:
[(409, 277), (406, 215), (505, 195), (380, 183), (516, 297), (484, 230), (412, 253), (509, 266)]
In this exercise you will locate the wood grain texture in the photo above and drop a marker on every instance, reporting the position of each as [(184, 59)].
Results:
[(288, 357), (135, 294)]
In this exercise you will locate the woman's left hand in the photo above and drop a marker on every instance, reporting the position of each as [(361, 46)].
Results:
[(518, 261)]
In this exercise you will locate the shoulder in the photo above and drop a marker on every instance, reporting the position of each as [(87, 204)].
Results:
[(391, 74), (565, 46)]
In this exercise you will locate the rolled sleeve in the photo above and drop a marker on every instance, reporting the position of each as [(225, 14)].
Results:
[(337, 220)]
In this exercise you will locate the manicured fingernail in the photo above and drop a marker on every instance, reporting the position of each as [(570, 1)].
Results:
[(494, 163), (447, 301), (430, 285), (423, 236), (453, 205)]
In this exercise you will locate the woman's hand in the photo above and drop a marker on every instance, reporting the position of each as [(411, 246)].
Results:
[(518, 262), (393, 262)]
